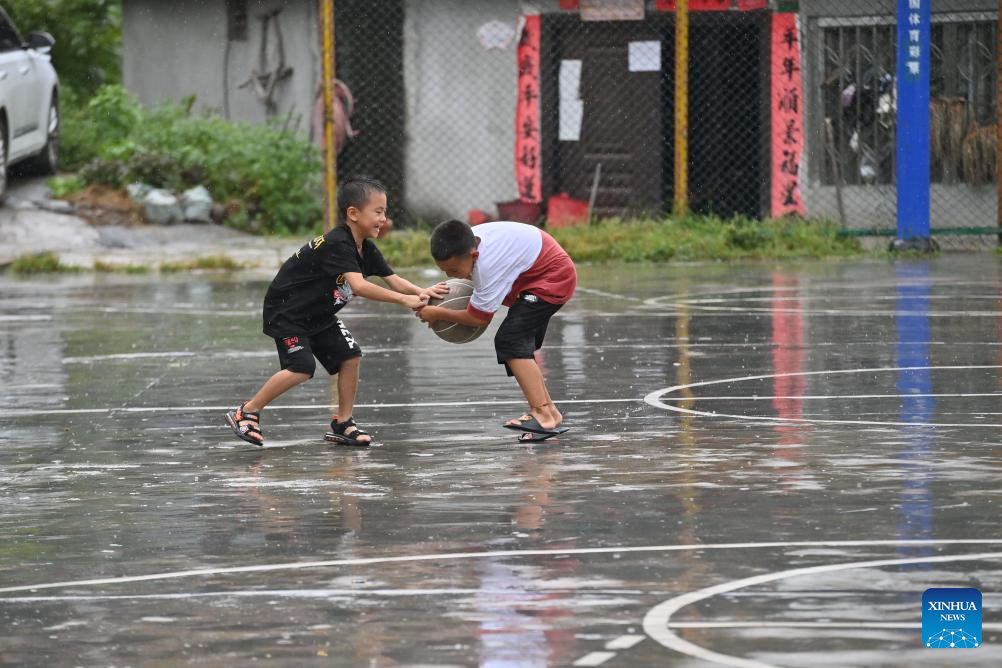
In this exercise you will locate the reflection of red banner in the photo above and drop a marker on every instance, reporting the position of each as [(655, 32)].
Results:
[(787, 117), (788, 355), (528, 170)]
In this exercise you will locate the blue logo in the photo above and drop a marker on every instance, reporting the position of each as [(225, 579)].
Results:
[(951, 618)]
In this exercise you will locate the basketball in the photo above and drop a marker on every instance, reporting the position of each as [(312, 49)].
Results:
[(457, 299)]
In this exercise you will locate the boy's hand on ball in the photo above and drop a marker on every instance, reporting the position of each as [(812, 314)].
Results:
[(414, 302), (427, 314), (436, 291)]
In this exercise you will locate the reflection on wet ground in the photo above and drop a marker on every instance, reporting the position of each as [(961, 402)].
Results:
[(768, 465)]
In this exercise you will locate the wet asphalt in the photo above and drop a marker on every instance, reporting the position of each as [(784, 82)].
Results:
[(801, 449)]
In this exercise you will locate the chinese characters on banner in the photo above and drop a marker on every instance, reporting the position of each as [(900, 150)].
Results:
[(528, 166), (912, 155), (710, 5), (787, 117), (913, 67)]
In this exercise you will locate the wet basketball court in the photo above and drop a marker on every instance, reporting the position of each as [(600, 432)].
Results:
[(767, 466)]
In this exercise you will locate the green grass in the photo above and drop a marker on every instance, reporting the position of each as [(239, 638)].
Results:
[(105, 267), (207, 262), (704, 238), (682, 239), (38, 263)]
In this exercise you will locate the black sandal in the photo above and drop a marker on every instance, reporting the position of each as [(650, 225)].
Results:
[(246, 425), (347, 433)]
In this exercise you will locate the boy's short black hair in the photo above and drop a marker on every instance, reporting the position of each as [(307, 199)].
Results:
[(453, 238), (355, 192)]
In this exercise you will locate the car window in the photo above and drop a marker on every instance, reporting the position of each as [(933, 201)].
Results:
[(9, 38)]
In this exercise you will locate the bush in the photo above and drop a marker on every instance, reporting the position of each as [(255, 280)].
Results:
[(106, 119), (40, 263), (267, 176), (88, 34)]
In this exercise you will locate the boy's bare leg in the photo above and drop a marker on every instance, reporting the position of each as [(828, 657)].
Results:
[(530, 379), (274, 387), (347, 389), (347, 386)]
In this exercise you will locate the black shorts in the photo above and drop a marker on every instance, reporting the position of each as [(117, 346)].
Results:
[(331, 346), (522, 332)]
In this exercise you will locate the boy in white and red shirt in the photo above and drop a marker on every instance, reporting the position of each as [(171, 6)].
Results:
[(525, 269)]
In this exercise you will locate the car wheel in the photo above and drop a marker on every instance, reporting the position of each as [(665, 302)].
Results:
[(47, 162), (3, 161)]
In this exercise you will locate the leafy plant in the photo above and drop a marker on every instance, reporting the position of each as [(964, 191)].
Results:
[(64, 185), (268, 177), (206, 262), (38, 263), (88, 36)]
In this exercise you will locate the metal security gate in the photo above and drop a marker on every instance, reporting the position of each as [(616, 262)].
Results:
[(851, 81)]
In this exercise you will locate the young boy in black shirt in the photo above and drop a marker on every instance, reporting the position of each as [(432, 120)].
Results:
[(302, 302)]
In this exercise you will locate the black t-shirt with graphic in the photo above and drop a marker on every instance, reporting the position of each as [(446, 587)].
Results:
[(310, 288)]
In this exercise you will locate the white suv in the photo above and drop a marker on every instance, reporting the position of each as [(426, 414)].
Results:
[(29, 101)]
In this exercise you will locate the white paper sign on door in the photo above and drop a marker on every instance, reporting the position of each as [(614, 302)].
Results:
[(571, 104), (645, 56)]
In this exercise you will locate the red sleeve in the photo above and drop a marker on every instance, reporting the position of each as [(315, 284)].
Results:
[(477, 313)]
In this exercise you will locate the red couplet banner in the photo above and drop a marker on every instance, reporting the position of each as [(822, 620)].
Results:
[(528, 168), (710, 5), (787, 117), (694, 5)]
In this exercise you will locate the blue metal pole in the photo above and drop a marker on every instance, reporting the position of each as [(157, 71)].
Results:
[(913, 125)]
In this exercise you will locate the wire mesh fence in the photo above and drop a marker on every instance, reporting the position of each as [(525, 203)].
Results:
[(851, 76), (549, 110)]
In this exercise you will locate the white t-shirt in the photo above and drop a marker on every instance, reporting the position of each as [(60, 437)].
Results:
[(506, 251)]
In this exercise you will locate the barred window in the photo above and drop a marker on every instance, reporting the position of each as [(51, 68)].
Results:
[(857, 126)]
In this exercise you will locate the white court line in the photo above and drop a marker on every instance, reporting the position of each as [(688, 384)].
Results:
[(452, 556), (657, 620), (656, 398), (602, 293), (808, 625), (114, 357), (763, 397), (704, 307), (299, 407), (764, 344), (25, 318), (624, 642)]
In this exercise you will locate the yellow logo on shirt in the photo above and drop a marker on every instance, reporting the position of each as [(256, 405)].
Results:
[(318, 242)]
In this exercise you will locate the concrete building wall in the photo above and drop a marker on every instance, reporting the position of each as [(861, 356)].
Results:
[(460, 97), (179, 48)]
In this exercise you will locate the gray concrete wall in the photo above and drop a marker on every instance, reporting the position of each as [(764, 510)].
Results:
[(179, 48), (870, 207)]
